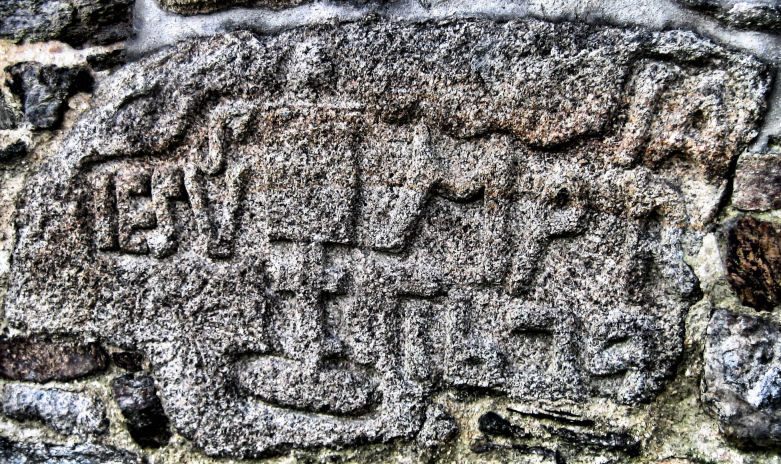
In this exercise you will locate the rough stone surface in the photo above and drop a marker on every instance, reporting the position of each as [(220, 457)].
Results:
[(45, 453), (753, 261), (742, 380), (41, 360), (73, 21), (71, 413), (137, 398), (758, 182), (310, 235), (45, 89), (749, 14)]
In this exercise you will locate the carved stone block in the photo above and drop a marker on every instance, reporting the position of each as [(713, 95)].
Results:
[(310, 235)]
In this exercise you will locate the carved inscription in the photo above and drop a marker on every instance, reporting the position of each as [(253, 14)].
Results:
[(312, 250)]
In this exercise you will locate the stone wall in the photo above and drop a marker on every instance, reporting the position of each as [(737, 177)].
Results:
[(390, 231)]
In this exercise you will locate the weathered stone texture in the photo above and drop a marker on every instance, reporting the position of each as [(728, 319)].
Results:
[(76, 22), (742, 380), (753, 261), (137, 398), (45, 453), (64, 411), (748, 14), (41, 360), (310, 235), (45, 89), (758, 182)]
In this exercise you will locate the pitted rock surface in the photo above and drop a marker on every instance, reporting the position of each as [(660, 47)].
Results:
[(310, 235), (742, 380)]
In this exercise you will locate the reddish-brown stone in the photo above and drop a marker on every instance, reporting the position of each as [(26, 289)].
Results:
[(753, 261), (38, 359)]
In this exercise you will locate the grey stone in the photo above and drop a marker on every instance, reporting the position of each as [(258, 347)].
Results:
[(76, 22), (757, 184), (747, 14), (39, 359), (137, 398), (311, 235), (45, 89), (70, 413), (438, 428), (741, 384), (45, 453)]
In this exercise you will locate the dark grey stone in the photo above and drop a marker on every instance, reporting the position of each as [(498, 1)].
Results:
[(12, 149), (311, 235), (741, 384), (45, 453), (39, 359), (492, 423), (137, 398), (76, 22), (70, 413), (45, 89)]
